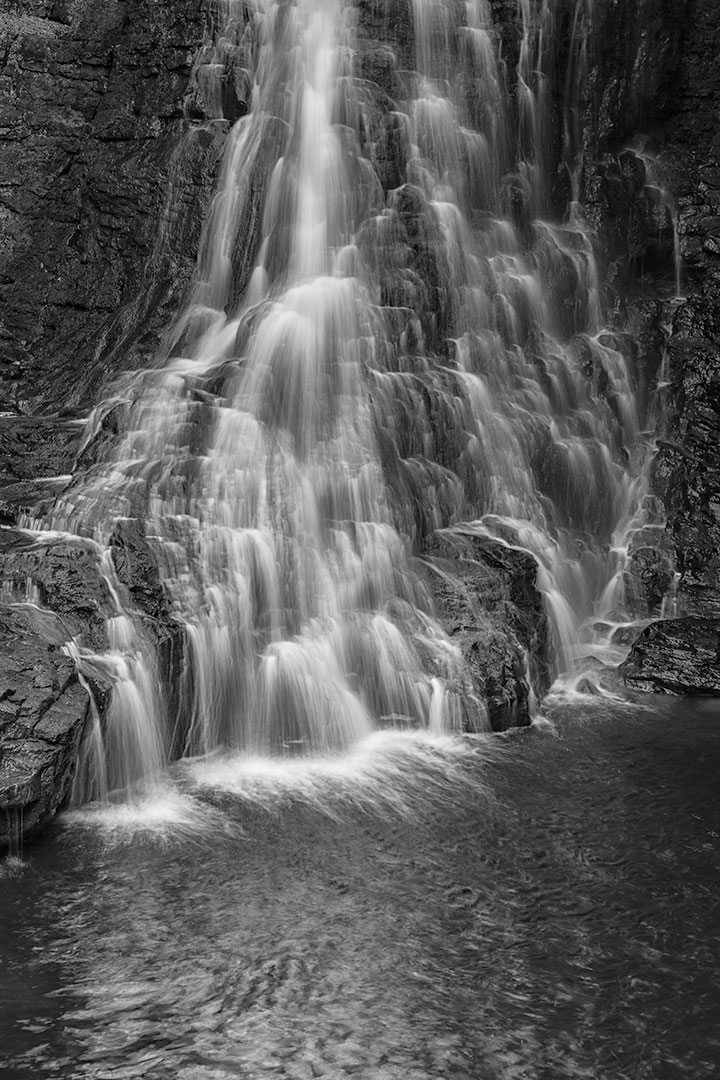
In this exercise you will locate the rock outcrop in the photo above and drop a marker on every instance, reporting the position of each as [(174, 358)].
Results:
[(676, 656), (102, 185), (686, 470), (43, 709), (56, 593), (488, 604)]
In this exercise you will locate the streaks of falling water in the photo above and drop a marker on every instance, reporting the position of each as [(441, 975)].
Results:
[(354, 369)]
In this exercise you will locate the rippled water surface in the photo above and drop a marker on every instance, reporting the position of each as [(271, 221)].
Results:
[(542, 905)]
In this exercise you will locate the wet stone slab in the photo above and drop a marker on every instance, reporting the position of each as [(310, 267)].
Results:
[(676, 656)]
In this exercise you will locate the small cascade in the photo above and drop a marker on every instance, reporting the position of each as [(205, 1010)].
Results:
[(391, 332)]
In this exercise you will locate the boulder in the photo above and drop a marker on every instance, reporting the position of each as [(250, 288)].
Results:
[(61, 579), (676, 656), (43, 708), (487, 602)]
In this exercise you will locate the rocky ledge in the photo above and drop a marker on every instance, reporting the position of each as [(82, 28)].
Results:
[(676, 656)]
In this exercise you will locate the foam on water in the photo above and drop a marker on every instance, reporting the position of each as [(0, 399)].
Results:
[(161, 813), (391, 773)]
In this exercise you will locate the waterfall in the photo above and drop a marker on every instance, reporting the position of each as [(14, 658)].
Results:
[(392, 331)]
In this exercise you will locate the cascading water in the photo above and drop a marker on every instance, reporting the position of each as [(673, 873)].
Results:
[(388, 336)]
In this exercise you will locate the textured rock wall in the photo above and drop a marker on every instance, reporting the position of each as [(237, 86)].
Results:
[(686, 470), (102, 188)]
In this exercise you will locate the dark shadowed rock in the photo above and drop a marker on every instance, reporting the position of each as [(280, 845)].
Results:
[(136, 567), (676, 656), (100, 182), (65, 581), (37, 454), (52, 592), (488, 604), (42, 715), (686, 471)]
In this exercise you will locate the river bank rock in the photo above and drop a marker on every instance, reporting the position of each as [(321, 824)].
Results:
[(43, 708), (52, 592), (488, 604), (676, 656)]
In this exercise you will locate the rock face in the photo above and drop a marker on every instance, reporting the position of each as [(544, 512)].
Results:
[(106, 167), (43, 706), (43, 709), (102, 185), (686, 470), (36, 457), (686, 473), (488, 604), (59, 593), (676, 656)]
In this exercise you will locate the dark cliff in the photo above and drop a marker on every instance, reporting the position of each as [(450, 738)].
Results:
[(103, 182), (685, 474)]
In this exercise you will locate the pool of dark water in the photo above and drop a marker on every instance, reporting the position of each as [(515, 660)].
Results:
[(551, 910)]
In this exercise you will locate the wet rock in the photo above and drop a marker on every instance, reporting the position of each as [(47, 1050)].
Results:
[(650, 570), (588, 687), (676, 656), (136, 567), (36, 446), (409, 260), (686, 470), (42, 715), (668, 99), (387, 23), (61, 578), (487, 602), (102, 181), (626, 635), (37, 454)]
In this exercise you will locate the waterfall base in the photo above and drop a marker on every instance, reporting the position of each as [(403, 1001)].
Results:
[(484, 594)]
